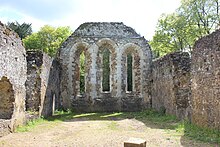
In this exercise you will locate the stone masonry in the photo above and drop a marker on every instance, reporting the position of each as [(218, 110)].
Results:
[(177, 84), (52, 100), (38, 72), (205, 74), (171, 84), (119, 40), (12, 80)]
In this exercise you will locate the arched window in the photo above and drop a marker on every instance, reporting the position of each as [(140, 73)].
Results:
[(6, 99), (129, 73), (106, 70), (82, 72)]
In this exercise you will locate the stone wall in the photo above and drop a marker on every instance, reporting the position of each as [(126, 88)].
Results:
[(33, 83), (52, 100), (12, 80), (119, 40), (171, 84), (206, 81), (38, 66)]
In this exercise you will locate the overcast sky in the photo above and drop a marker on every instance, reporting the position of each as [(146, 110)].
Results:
[(142, 15)]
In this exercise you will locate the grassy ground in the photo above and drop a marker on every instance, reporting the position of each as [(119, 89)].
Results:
[(148, 117)]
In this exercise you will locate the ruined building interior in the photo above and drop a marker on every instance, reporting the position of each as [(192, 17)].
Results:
[(130, 80)]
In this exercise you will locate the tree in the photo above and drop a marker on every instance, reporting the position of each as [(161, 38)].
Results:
[(178, 31), (47, 39), (23, 30)]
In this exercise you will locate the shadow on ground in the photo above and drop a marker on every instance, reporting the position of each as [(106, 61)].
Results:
[(150, 118)]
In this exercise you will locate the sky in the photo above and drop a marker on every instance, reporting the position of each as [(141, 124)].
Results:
[(142, 15)]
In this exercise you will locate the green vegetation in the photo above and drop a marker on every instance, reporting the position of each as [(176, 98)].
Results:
[(31, 125), (150, 118), (113, 125), (106, 70), (82, 72), (23, 30), (178, 31), (201, 133), (48, 39), (129, 72)]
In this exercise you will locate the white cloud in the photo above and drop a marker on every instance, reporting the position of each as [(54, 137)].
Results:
[(142, 15)]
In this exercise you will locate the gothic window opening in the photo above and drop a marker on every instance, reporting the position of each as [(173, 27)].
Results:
[(106, 70), (82, 72), (129, 73)]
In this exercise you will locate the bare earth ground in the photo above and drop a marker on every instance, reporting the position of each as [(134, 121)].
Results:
[(82, 132)]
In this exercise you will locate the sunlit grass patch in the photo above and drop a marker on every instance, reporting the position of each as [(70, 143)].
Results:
[(112, 115), (83, 115), (30, 125), (113, 125)]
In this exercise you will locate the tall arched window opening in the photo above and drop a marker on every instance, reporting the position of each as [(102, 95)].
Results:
[(106, 70), (82, 72), (129, 73)]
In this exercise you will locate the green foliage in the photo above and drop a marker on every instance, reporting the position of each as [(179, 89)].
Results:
[(82, 73), (48, 39), (23, 30), (201, 133), (129, 73), (106, 70), (30, 125), (178, 31)]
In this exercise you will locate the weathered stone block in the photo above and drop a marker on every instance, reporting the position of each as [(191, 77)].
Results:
[(135, 142), (131, 103), (4, 127)]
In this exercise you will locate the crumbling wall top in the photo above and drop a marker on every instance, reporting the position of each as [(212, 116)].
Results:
[(105, 29)]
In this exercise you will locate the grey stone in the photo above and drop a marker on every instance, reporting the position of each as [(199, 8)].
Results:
[(206, 81), (171, 84), (12, 80), (121, 40)]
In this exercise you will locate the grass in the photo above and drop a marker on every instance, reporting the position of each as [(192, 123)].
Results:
[(150, 117), (113, 125), (201, 133), (31, 125)]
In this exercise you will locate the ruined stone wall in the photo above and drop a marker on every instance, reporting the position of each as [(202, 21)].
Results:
[(120, 40), (206, 81), (12, 80), (33, 83), (52, 100), (171, 84), (38, 67)]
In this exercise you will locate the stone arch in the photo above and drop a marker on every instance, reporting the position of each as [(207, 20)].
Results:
[(7, 99), (76, 51), (109, 44), (136, 53)]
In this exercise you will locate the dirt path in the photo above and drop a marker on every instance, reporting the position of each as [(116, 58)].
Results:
[(96, 133)]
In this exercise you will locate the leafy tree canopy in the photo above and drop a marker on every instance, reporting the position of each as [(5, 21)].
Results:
[(47, 39), (23, 30), (192, 20)]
